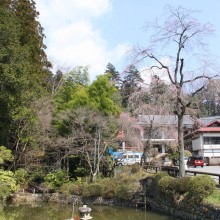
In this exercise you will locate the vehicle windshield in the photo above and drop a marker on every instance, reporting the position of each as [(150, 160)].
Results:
[(198, 158)]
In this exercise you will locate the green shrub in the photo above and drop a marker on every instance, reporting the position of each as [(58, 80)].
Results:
[(172, 153), (127, 179), (7, 184), (79, 180), (46, 187), (187, 153), (182, 184), (127, 189), (22, 177), (200, 187), (109, 187), (135, 168), (71, 188), (56, 179), (37, 176), (158, 176), (167, 185), (93, 189), (5, 155), (152, 186), (124, 187), (79, 171), (214, 198), (123, 192)]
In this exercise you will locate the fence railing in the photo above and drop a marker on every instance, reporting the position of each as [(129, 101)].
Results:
[(206, 173), (174, 170)]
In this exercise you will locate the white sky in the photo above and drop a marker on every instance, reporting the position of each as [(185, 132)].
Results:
[(72, 38), (96, 32)]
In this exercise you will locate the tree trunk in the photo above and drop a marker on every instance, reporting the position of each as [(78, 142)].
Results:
[(181, 146), (148, 145), (92, 177), (147, 151)]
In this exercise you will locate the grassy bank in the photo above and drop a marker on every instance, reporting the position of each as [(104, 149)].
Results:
[(214, 198)]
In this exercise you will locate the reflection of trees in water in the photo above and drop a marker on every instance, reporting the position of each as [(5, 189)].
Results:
[(36, 211), (53, 211), (118, 213)]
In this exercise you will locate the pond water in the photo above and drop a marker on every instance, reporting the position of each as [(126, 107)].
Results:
[(51, 211)]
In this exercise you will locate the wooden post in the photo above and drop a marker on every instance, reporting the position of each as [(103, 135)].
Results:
[(145, 201)]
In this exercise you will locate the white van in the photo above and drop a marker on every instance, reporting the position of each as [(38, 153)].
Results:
[(130, 158)]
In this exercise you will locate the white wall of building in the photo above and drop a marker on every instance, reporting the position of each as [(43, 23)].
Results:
[(211, 153), (197, 143), (206, 150)]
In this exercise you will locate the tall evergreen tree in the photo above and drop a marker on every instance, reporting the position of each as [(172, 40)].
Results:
[(32, 39), (131, 83), (23, 72), (13, 63), (114, 75)]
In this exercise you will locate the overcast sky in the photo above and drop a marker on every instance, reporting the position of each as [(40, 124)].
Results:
[(96, 32)]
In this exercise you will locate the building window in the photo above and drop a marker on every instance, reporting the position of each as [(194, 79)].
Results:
[(211, 140)]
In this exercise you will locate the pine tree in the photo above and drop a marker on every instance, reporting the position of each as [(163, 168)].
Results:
[(131, 83), (32, 39), (23, 73), (114, 75), (13, 62)]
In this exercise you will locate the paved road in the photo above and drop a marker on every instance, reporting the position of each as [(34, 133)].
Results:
[(208, 169)]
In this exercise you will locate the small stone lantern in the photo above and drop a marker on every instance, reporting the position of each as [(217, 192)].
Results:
[(85, 212)]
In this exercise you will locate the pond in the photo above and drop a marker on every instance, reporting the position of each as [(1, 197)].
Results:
[(51, 211)]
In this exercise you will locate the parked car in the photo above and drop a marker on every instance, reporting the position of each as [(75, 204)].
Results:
[(195, 161), (130, 158), (175, 161)]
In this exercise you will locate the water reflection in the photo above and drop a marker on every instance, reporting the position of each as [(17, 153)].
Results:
[(51, 211), (117, 213)]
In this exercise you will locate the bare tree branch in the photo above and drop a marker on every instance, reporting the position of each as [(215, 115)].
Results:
[(182, 33)]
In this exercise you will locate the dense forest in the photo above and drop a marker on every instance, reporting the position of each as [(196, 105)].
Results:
[(58, 125)]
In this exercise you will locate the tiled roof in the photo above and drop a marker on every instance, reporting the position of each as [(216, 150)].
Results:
[(209, 129), (208, 120), (212, 125)]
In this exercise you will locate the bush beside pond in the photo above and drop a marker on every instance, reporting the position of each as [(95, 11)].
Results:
[(125, 185), (200, 187), (193, 189), (175, 196)]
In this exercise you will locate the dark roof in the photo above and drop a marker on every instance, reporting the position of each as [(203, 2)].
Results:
[(208, 120), (214, 124), (164, 120), (213, 127)]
